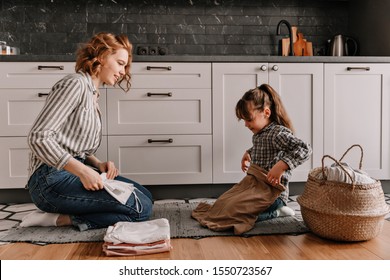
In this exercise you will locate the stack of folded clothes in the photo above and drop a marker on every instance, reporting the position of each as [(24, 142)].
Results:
[(137, 238)]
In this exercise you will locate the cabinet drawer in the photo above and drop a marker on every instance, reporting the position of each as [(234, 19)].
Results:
[(159, 111), (171, 75), (185, 159), (20, 107), (33, 74), (14, 153)]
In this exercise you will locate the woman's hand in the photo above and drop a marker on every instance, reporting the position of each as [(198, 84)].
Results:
[(109, 168), (104, 167), (245, 161), (276, 172), (91, 179)]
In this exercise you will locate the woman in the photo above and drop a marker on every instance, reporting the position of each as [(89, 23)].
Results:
[(64, 138)]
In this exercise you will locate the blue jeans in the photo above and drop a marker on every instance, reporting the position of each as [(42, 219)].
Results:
[(58, 191), (271, 213)]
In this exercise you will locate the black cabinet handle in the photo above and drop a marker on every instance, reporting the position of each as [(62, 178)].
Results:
[(159, 94), (168, 68), (42, 94), (59, 67), (170, 140), (358, 68)]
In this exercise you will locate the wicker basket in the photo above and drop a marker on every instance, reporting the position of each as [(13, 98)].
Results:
[(342, 211)]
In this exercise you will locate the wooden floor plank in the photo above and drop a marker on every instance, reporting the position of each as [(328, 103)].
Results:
[(270, 247)]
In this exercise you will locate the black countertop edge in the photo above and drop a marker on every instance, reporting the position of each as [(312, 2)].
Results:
[(210, 58)]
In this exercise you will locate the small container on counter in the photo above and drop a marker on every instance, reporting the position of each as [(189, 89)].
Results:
[(7, 50)]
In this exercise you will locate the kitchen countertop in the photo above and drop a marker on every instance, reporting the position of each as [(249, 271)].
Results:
[(210, 58)]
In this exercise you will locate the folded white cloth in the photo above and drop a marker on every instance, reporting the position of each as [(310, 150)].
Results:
[(138, 232), (121, 191)]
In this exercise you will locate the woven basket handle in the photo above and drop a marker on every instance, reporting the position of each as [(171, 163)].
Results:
[(339, 164), (361, 156)]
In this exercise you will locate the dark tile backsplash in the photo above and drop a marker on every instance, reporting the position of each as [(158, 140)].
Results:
[(182, 27)]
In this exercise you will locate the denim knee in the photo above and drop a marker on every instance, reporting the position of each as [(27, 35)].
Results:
[(147, 209)]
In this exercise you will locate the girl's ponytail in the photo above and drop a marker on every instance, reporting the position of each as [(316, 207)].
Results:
[(278, 112)]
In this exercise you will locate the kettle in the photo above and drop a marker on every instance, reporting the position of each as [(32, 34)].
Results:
[(340, 46)]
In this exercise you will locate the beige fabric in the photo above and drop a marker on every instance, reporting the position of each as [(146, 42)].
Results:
[(239, 207)]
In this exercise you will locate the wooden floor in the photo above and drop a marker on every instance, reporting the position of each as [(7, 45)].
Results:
[(271, 247)]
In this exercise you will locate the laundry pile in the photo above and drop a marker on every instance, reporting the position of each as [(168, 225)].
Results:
[(137, 238)]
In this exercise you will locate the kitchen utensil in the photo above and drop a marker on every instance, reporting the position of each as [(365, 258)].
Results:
[(309, 49), (294, 31), (299, 45), (4, 49), (7, 50), (342, 45), (285, 46)]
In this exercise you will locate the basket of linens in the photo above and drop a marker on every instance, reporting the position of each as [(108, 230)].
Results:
[(341, 203)]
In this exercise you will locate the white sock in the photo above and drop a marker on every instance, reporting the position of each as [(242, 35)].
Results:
[(285, 211), (39, 218)]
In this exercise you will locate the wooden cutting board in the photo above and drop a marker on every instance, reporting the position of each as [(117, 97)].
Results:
[(285, 46), (300, 45), (309, 49)]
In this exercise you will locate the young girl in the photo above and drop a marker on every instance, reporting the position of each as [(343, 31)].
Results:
[(275, 152), (64, 138)]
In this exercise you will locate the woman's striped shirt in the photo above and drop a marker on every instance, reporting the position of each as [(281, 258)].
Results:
[(69, 124)]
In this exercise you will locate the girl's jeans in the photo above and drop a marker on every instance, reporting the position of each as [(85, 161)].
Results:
[(58, 191), (271, 213)]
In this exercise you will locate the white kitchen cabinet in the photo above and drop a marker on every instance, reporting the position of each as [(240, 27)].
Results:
[(149, 75), (300, 87), (161, 111), (23, 90), (160, 131), (14, 152), (33, 74), (163, 159), (356, 111)]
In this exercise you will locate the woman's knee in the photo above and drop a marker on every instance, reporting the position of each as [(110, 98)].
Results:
[(147, 210)]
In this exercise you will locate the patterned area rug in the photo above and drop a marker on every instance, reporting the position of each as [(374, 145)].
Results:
[(181, 225)]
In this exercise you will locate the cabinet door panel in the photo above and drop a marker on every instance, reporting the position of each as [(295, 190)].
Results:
[(230, 137), (171, 75), (186, 160), (20, 107), (33, 74), (14, 153), (300, 86), (357, 104), (160, 111)]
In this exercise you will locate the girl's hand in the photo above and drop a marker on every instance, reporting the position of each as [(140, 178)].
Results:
[(109, 168), (276, 172), (245, 161)]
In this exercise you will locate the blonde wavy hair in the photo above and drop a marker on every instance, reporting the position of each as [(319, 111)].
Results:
[(90, 55)]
